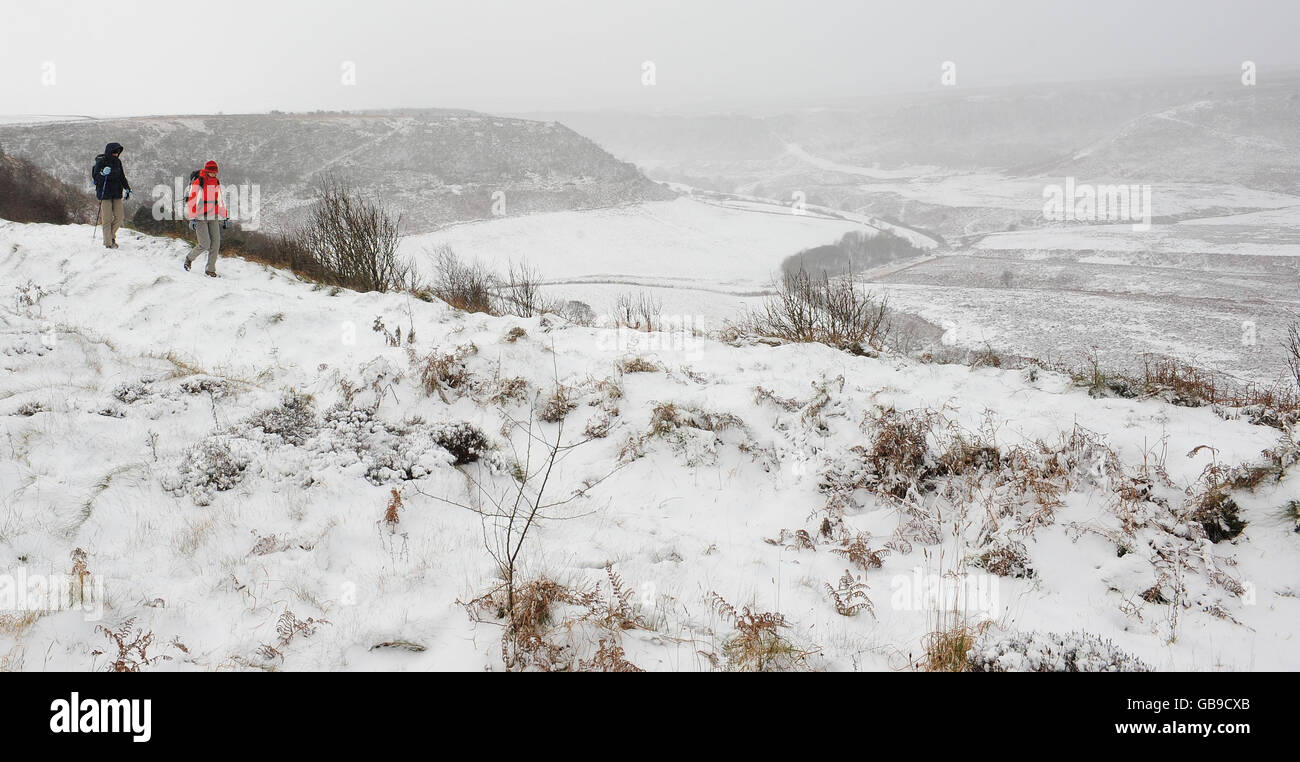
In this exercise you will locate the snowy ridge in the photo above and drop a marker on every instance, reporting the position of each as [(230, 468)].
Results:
[(134, 400)]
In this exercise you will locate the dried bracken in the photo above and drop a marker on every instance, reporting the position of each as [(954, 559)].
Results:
[(850, 596), (859, 552), (760, 643), (287, 627), (441, 372), (132, 648), (391, 517), (609, 658)]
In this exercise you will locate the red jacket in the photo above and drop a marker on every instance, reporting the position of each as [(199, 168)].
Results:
[(204, 201)]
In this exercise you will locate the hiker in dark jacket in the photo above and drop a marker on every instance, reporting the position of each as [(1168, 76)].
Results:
[(111, 188)]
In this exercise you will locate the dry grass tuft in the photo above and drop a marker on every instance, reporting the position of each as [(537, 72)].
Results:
[(639, 365), (558, 405), (948, 650)]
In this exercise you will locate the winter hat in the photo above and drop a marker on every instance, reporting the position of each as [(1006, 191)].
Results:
[(210, 167)]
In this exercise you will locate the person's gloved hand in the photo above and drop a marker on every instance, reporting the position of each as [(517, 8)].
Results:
[(194, 224), (225, 223), (126, 193), (106, 171)]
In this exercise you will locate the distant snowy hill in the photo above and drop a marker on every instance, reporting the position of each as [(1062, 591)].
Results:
[(1156, 130), (957, 161), (220, 455), (432, 167)]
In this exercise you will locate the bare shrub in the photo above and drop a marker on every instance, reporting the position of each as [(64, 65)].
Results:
[(354, 240), (464, 285), (520, 293), (472, 287), (578, 312), (641, 311), (836, 312)]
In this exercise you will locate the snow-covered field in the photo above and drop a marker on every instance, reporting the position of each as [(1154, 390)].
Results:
[(993, 189), (1272, 233), (136, 449), (1215, 291), (682, 244), (1231, 319)]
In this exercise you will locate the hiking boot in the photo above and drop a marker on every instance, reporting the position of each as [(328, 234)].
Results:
[(187, 265), (211, 274)]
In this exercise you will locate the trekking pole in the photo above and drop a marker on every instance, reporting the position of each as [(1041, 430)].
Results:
[(99, 210)]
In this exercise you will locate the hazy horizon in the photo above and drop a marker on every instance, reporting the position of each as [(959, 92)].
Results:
[(573, 55)]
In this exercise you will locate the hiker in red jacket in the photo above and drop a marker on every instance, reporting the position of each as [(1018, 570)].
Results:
[(208, 217)]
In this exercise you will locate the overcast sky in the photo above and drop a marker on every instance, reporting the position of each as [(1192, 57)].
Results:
[(128, 57)]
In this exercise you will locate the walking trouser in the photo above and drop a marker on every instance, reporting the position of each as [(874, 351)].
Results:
[(209, 241), (110, 213)]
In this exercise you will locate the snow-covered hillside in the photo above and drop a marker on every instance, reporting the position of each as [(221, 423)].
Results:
[(158, 436)]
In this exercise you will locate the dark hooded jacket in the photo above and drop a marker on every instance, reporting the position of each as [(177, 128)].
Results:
[(111, 184)]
